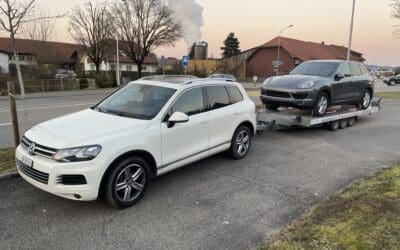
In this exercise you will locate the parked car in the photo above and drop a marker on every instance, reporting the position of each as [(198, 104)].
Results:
[(392, 81), (144, 129), (222, 76), (65, 74), (317, 85)]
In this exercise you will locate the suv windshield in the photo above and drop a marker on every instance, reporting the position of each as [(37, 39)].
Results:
[(315, 69), (137, 101)]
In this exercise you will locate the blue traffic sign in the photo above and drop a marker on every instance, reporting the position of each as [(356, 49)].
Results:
[(185, 62)]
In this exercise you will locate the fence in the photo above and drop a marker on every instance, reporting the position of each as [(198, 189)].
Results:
[(49, 85)]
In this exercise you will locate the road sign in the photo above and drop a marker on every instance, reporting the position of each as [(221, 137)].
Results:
[(185, 62), (277, 63)]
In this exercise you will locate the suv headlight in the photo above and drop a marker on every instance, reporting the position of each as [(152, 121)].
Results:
[(267, 81), (306, 85), (77, 154)]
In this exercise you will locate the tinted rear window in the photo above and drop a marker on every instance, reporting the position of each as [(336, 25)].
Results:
[(355, 69), (234, 94), (217, 97)]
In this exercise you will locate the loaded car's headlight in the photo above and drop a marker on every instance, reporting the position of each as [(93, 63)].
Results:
[(85, 153), (267, 82), (306, 85)]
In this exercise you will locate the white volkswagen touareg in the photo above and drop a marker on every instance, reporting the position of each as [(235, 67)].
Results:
[(144, 129)]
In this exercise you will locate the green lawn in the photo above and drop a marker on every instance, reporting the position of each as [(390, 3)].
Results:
[(365, 216), (7, 161), (391, 95)]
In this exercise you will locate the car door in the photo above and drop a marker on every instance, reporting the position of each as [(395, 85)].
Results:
[(221, 115), (186, 140), (357, 89), (342, 87)]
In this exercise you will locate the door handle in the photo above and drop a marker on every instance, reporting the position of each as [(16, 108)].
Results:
[(204, 122), (235, 113)]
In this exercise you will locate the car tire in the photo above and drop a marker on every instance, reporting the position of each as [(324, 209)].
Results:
[(241, 143), (333, 125), (343, 124), (321, 104), (126, 182), (366, 99), (392, 83), (351, 121)]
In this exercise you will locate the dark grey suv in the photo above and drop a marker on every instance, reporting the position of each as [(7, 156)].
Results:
[(317, 85)]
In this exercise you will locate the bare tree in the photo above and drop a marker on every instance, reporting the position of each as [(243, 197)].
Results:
[(13, 14), (92, 26), (145, 25), (40, 29)]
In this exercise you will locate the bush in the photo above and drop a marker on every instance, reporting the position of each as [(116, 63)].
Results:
[(104, 80), (83, 83)]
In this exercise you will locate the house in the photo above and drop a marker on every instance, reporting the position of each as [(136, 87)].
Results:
[(150, 64), (258, 60), (32, 52)]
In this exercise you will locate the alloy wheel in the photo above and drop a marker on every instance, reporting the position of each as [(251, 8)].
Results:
[(242, 142), (366, 99), (322, 105), (130, 183)]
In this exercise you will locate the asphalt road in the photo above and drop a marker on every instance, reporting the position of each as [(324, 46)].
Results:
[(213, 204)]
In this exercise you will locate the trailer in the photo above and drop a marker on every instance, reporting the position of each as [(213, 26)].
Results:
[(338, 117)]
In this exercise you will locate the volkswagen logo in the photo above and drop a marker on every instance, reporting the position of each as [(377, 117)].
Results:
[(31, 149)]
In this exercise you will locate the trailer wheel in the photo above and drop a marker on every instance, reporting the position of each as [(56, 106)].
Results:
[(351, 121), (333, 125), (343, 124)]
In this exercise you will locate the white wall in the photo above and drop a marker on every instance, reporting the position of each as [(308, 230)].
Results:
[(149, 68), (4, 62)]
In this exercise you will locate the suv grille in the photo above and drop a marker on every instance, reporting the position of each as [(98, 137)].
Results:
[(33, 173), (277, 94), (38, 149)]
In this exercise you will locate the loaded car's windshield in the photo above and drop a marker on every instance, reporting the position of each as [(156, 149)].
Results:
[(137, 101), (315, 69)]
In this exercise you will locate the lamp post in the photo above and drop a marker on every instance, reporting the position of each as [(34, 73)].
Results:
[(351, 31), (279, 47), (117, 71)]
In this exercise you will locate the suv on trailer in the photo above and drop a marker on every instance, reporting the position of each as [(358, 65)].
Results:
[(317, 85), (144, 129)]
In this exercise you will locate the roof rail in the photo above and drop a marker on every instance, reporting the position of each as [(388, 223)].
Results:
[(209, 79)]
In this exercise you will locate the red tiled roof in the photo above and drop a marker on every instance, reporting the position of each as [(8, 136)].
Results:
[(312, 51), (49, 51)]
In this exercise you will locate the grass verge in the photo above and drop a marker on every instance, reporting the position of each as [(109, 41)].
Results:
[(7, 161), (365, 216), (391, 95)]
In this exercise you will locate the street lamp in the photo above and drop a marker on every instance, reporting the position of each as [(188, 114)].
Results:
[(279, 47), (351, 31)]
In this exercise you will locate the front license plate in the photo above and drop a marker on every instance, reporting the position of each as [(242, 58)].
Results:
[(28, 162)]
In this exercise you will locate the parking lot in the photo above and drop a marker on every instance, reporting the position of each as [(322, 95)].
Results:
[(215, 203)]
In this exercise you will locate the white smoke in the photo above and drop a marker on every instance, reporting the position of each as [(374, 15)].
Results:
[(190, 15)]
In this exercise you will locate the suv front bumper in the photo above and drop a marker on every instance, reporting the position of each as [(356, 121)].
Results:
[(47, 174), (289, 98)]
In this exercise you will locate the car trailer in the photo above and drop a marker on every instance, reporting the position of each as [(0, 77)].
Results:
[(336, 118)]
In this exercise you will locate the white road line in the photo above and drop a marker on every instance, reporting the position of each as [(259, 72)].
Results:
[(52, 107), (5, 124)]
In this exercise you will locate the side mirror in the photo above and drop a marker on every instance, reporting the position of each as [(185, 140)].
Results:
[(177, 117), (339, 76)]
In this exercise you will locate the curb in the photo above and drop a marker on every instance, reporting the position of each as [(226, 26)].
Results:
[(8, 176)]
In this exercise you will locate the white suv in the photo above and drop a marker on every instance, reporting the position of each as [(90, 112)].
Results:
[(144, 129)]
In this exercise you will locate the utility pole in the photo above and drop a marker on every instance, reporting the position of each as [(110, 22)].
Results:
[(14, 114), (351, 31), (279, 48), (117, 73)]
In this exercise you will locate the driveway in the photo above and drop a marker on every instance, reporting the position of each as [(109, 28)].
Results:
[(213, 204)]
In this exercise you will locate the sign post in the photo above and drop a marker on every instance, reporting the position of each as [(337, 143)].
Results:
[(185, 63)]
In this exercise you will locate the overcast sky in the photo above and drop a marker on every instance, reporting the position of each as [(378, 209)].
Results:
[(257, 21)]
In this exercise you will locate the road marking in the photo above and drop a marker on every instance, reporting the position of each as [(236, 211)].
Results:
[(5, 124), (52, 107)]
